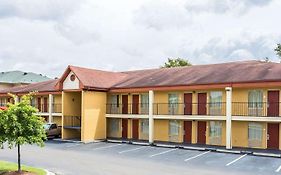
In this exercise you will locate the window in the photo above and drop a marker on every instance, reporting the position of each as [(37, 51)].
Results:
[(255, 99), (255, 102), (173, 103), (215, 132), (174, 129), (2, 103), (33, 102), (144, 129), (114, 125), (215, 103), (114, 104), (144, 103), (255, 132), (144, 126)]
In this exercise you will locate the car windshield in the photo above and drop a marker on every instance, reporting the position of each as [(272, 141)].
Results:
[(47, 126)]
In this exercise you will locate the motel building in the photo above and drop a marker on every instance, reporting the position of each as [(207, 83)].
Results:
[(234, 104)]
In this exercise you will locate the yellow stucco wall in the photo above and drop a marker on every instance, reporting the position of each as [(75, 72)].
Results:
[(57, 120), (93, 116), (57, 99), (71, 106), (72, 103), (70, 134), (161, 130), (194, 132), (240, 134)]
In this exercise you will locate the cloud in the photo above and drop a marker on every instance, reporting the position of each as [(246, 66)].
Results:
[(225, 6), (161, 15), (244, 47), (114, 35), (38, 10)]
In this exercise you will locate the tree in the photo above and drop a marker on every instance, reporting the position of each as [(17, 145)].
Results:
[(20, 125), (278, 50), (266, 59), (177, 62)]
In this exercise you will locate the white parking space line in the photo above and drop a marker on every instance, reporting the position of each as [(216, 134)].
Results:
[(111, 146), (164, 152), (130, 150), (278, 169), (236, 160), (196, 156)]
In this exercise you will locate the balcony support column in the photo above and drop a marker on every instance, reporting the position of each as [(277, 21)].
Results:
[(228, 117), (50, 106), (151, 120), (17, 99)]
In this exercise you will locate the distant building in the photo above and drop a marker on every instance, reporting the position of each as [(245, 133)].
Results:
[(17, 78)]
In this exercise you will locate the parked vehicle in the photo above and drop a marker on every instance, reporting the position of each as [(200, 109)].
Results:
[(52, 130)]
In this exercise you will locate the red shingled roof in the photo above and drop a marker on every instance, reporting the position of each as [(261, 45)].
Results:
[(91, 78), (45, 86), (233, 72)]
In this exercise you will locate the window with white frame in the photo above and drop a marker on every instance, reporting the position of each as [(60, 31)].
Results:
[(255, 134), (215, 102), (215, 132), (255, 102), (173, 103), (144, 103), (174, 130)]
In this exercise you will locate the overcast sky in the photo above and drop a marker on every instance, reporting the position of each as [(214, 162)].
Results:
[(44, 36)]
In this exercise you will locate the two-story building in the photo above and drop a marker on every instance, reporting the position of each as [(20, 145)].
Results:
[(47, 99), (234, 104)]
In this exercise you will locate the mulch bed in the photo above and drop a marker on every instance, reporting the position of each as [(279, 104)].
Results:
[(16, 173)]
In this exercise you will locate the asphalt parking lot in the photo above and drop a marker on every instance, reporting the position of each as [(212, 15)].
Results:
[(121, 158)]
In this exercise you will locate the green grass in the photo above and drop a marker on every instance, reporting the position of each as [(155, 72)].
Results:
[(7, 166)]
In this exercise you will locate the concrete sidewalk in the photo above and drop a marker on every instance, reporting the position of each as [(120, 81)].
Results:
[(236, 150)]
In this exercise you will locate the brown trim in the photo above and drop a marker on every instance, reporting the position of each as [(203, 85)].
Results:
[(200, 87), (95, 89), (36, 93), (73, 90)]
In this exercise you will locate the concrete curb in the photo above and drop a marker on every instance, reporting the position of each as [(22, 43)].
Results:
[(140, 143), (114, 141), (165, 146), (228, 151), (193, 148), (267, 154), (49, 173), (70, 141)]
